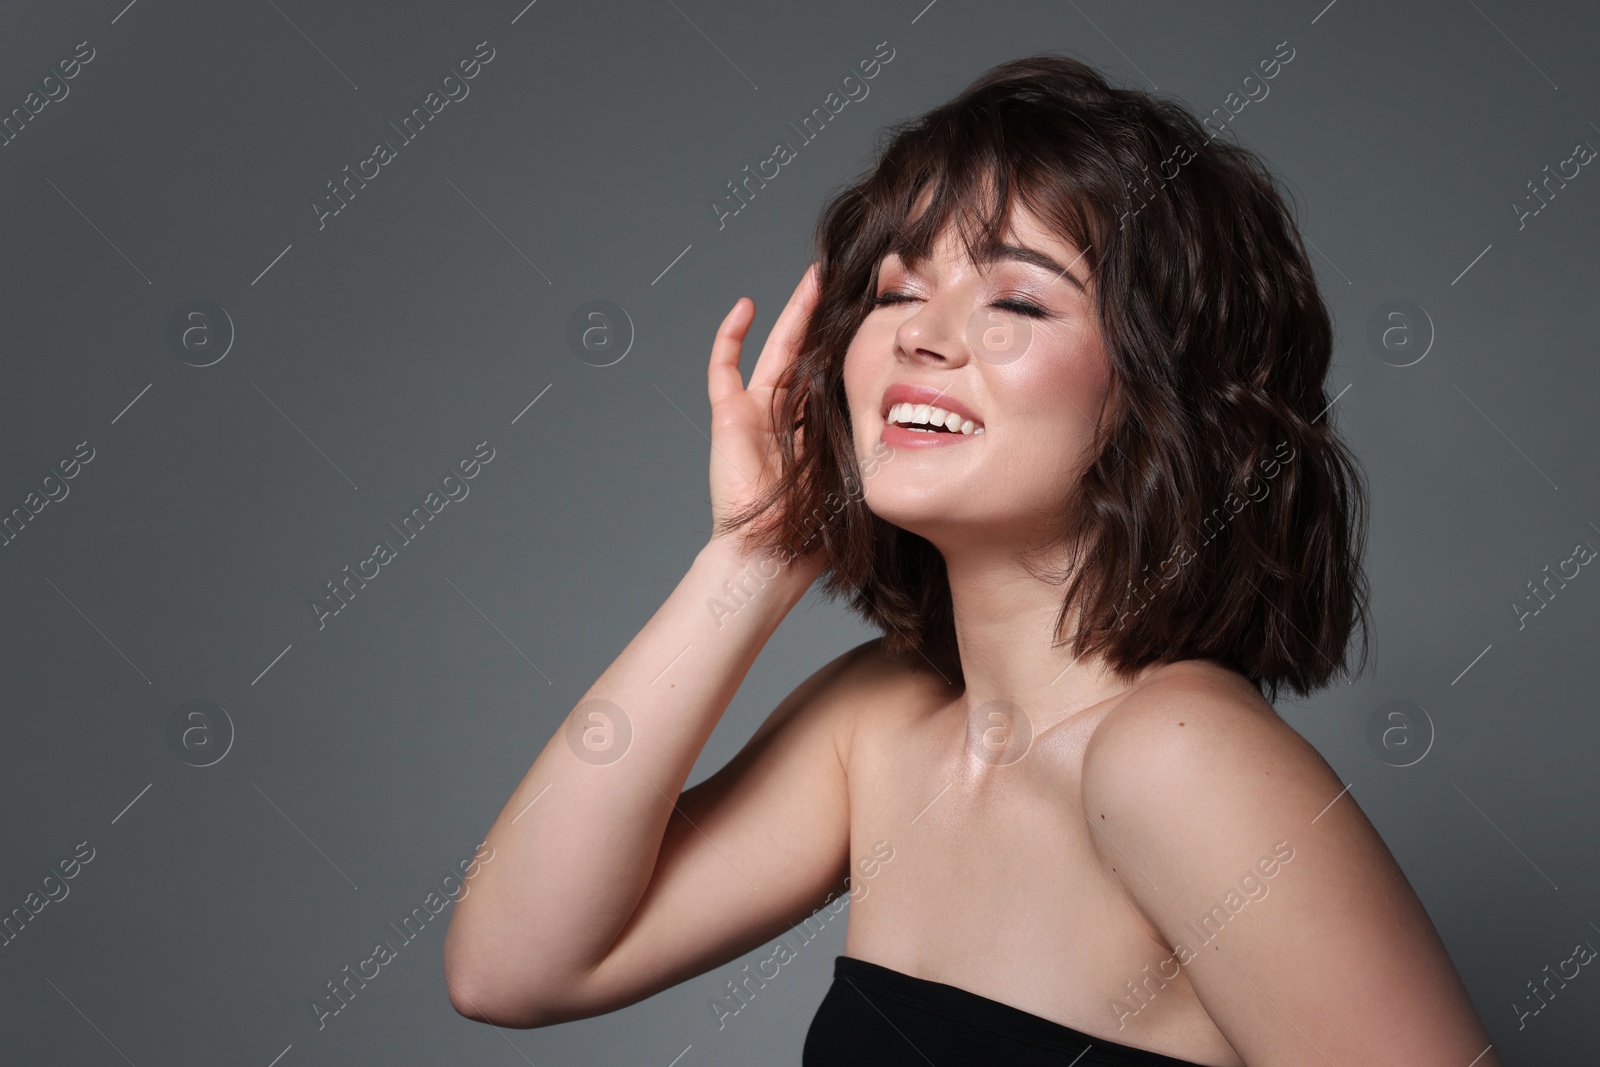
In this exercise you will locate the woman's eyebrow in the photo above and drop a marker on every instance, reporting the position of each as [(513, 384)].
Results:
[(1035, 258), (1015, 253)]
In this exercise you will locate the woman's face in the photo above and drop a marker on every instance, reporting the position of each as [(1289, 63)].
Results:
[(1014, 348)]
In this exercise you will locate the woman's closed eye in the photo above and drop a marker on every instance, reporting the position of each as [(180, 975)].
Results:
[(889, 297), (1021, 307)]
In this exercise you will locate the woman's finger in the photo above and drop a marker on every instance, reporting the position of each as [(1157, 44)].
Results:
[(722, 375)]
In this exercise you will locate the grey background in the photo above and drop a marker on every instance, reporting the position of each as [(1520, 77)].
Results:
[(426, 316)]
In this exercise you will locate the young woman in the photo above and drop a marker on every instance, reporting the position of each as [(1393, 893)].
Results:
[(1049, 409)]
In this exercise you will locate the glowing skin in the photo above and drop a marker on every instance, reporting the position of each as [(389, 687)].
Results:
[(1037, 409)]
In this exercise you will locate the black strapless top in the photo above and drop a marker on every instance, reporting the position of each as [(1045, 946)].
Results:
[(877, 1016)]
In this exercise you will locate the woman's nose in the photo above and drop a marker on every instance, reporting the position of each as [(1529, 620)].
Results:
[(935, 332)]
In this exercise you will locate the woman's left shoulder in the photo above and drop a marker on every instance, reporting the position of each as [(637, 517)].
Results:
[(1204, 802), (1207, 727)]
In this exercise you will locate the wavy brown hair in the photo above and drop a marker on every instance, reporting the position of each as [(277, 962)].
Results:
[(1220, 517)]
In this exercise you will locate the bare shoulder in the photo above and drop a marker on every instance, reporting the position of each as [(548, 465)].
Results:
[(1239, 843), (867, 683), (1194, 774), (1199, 754), (1205, 726)]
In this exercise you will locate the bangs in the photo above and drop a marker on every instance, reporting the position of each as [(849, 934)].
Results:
[(990, 162)]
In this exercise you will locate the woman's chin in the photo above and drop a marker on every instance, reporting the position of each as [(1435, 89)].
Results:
[(926, 515)]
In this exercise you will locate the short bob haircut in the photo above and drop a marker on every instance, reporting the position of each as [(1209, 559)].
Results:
[(1219, 516)]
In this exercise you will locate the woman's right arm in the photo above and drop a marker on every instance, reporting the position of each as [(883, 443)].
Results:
[(606, 885)]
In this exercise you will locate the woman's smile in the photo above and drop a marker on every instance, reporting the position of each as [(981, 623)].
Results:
[(922, 416)]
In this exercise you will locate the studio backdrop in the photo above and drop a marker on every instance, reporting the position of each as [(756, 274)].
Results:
[(354, 418)]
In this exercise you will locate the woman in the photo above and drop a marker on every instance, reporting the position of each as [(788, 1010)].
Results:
[(1050, 410)]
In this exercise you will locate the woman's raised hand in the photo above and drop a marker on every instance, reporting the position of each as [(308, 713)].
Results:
[(744, 443)]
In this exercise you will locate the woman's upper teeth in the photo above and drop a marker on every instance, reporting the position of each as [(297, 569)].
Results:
[(929, 415)]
